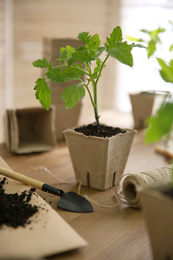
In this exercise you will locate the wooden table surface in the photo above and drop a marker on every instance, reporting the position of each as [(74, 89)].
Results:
[(116, 233)]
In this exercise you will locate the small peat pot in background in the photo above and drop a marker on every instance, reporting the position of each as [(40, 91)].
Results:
[(142, 105), (98, 158), (30, 130), (157, 204)]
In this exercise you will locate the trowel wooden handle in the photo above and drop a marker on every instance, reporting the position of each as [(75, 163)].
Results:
[(22, 178), (30, 181)]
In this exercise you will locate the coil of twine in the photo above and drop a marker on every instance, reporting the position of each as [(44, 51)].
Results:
[(126, 188), (132, 182)]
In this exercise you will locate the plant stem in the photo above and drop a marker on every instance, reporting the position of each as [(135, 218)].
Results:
[(92, 101), (103, 63), (95, 102), (94, 83)]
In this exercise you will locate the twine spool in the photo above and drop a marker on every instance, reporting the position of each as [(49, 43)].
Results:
[(132, 182)]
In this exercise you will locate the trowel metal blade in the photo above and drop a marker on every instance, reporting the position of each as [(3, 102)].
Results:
[(72, 201)]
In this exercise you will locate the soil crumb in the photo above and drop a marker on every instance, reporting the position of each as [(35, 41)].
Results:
[(99, 130), (15, 209)]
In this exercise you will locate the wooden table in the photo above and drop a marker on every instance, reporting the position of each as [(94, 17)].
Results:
[(116, 233)]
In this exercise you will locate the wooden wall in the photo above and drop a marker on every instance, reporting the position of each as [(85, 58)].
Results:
[(2, 66), (56, 18), (35, 19)]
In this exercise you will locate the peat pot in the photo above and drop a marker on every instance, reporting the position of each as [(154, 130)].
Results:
[(142, 106), (98, 162), (158, 214)]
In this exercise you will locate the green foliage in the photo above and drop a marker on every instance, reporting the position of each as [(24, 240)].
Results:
[(152, 39), (161, 123), (54, 75), (73, 64), (43, 93), (72, 95), (166, 71), (122, 52), (115, 36), (42, 64)]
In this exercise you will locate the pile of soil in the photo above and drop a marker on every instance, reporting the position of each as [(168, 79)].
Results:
[(15, 209), (99, 130)]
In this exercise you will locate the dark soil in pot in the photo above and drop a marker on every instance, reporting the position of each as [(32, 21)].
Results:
[(99, 130)]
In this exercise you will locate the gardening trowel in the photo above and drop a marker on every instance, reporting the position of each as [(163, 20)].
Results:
[(70, 201)]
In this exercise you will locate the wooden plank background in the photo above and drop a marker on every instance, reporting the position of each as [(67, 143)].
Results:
[(32, 20)]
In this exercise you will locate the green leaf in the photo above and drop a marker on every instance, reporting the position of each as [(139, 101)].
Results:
[(131, 38), (171, 23), (171, 47), (145, 31), (54, 74), (93, 75), (94, 42), (115, 36), (122, 52), (98, 53), (154, 33), (166, 71), (72, 94), (138, 45), (97, 69), (66, 52), (63, 54), (71, 61), (84, 37), (71, 73), (43, 93), (154, 39), (82, 56), (70, 50), (44, 63), (151, 48), (160, 124)]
